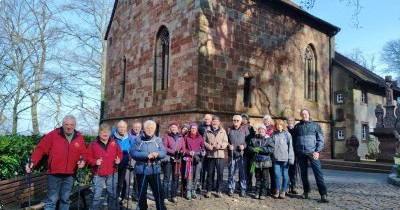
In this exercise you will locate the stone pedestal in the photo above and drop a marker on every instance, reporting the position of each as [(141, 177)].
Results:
[(387, 143)]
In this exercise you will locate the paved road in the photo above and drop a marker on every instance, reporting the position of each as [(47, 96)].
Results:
[(346, 190)]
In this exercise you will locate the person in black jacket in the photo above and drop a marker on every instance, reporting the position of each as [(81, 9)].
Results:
[(309, 145)]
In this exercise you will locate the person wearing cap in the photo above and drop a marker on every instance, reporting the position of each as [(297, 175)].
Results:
[(193, 154), (215, 141), (237, 160), (309, 145), (261, 161), (174, 145), (251, 133), (184, 130), (268, 122)]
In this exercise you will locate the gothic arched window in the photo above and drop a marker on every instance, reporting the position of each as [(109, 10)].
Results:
[(161, 60), (310, 74)]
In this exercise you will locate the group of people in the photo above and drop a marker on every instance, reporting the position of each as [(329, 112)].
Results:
[(189, 155)]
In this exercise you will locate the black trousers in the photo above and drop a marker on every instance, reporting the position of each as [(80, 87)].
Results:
[(292, 175), (219, 164), (121, 186), (154, 181), (171, 179), (262, 181)]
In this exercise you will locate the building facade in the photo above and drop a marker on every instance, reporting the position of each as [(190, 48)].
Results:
[(177, 60), (356, 91)]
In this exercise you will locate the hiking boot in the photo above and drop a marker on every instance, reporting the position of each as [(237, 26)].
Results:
[(230, 193), (188, 195), (194, 195), (208, 195), (305, 196), (243, 194), (174, 200), (219, 195), (324, 199), (262, 197), (282, 195)]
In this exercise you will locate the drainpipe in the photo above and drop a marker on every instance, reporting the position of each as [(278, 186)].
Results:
[(331, 121)]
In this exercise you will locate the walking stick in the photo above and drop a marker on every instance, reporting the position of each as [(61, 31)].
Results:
[(29, 181), (158, 184), (79, 180), (129, 181), (201, 170)]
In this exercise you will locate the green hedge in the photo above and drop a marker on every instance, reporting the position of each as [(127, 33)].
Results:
[(14, 151)]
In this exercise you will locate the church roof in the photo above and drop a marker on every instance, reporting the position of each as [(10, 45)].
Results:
[(360, 73), (285, 6)]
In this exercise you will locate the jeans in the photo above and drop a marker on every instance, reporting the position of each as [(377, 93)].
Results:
[(316, 167), (111, 186), (171, 171), (154, 181), (219, 164), (237, 163), (58, 187), (281, 167)]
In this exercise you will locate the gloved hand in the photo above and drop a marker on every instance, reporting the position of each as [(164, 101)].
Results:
[(256, 149)]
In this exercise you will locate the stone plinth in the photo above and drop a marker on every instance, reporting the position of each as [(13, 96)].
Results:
[(387, 143)]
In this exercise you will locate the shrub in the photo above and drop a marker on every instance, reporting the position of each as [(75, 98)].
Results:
[(14, 151)]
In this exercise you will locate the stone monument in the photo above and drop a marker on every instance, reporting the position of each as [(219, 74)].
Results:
[(352, 145), (386, 124)]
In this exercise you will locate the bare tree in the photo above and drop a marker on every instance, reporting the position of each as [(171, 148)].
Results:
[(367, 61), (391, 56)]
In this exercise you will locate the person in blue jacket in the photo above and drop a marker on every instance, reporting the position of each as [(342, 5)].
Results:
[(308, 146), (124, 141), (147, 151)]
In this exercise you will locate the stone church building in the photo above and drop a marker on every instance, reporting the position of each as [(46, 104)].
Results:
[(179, 59)]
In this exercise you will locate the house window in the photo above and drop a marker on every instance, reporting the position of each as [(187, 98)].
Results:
[(364, 131), (310, 74), (123, 78), (340, 134), (339, 98), (364, 96), (247, 92), (161, 60), (339, 115)]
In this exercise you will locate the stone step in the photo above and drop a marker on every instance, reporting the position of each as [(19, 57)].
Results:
[(365, 166)]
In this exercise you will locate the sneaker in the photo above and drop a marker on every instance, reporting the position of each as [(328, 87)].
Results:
[(305, 196), (324, 199), (242, 194), (174, 200), (257, 196), (208, 195), (219, 195), (262, 197), (282, 195), (230, 193)]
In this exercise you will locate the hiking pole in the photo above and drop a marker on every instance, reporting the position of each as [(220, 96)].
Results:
[(201, 171), (129, 181), (113, 185), (158, 183), (29, 181), (79, 180)]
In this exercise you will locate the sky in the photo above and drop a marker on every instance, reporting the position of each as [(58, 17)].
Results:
[(379, 22)]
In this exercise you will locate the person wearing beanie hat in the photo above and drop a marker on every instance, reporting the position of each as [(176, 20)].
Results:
[(246, 126), (174, 144), (193, 155), (184, 130), (261, 161)]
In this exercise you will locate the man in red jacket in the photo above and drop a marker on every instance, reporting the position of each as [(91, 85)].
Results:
[(103, 156), (65, 146)]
